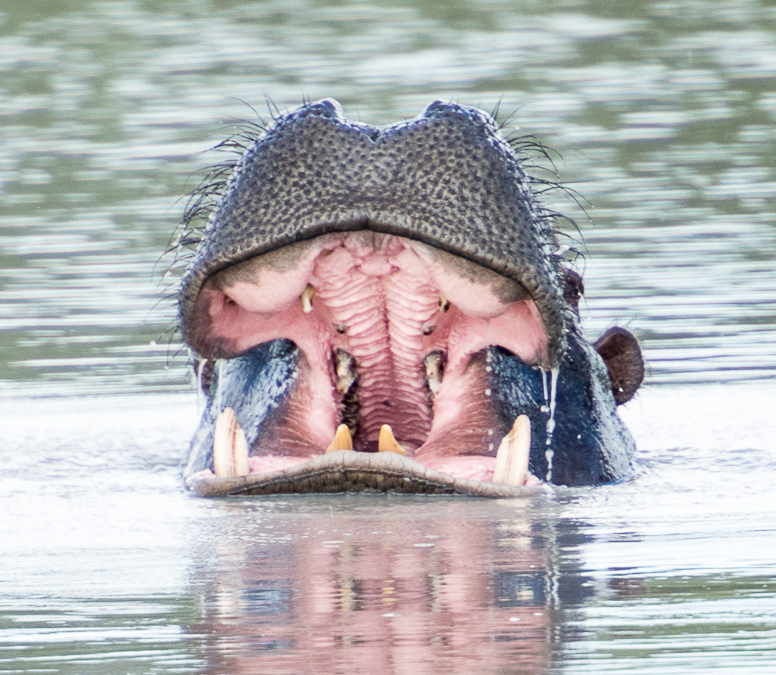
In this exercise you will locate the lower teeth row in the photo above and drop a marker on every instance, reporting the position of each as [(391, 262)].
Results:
[(230, 448)]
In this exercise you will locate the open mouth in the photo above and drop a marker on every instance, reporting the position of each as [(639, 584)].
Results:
[(388, 309), (392, 342)]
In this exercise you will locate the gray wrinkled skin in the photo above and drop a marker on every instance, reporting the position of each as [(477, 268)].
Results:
[(446, 178)]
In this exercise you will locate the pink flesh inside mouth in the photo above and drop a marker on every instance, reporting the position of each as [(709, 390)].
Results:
[(400, 322)]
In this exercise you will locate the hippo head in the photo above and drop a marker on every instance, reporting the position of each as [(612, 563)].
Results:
[(387, 309)]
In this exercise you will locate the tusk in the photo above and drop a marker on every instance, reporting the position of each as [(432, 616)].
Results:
[(513, 452), (387, 442), (230, 447), (307, 298), (342, 439)]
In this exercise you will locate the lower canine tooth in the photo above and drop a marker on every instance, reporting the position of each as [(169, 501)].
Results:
[(230, 448), (342, 439), (387, 442), (512, 456)]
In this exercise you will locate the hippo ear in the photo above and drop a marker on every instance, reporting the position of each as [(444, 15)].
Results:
[(622, 355)]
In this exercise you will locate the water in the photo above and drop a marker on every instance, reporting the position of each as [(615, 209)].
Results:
[(664, 114)]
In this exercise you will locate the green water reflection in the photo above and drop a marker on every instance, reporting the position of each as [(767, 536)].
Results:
[(663, 113)]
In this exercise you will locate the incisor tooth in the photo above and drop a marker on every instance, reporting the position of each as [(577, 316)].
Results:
[(387, 442), (444, 303), (342, 439), (230, 447), (512, 456), (307, 298)]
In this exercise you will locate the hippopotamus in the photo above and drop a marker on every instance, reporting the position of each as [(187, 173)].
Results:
[(389, 310)]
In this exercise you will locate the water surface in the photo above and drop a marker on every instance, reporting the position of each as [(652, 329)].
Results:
[(662, 115)]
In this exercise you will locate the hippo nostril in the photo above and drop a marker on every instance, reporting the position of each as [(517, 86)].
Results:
[(450, 110), (438, 107), (458, 117), (327, 107)]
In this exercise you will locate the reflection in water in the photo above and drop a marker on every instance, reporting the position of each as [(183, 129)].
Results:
[(399, 585), (107, 566)]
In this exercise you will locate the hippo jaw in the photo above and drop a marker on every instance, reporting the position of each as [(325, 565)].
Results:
[(382, 345), (381, 311), (350, 471)]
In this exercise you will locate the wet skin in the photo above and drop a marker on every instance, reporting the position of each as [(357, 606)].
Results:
[(387, 309)]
